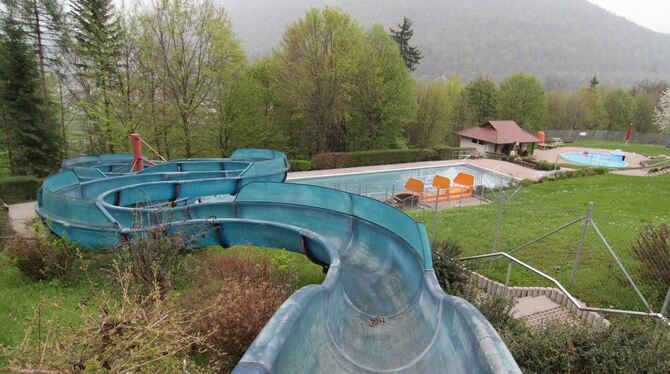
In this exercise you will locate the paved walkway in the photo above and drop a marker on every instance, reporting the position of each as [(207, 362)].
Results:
[(551, 155), (504, 167), (538, 311), (21, 216)]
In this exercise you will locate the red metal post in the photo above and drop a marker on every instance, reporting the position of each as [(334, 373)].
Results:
[(138, 161)]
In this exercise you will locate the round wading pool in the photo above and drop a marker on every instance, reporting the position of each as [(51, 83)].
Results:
[(610, 160)]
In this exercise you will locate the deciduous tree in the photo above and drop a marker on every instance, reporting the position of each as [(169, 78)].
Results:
[(481, 100), (521, 99)]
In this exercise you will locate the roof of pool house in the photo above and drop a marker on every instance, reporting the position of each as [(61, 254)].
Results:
[(499, 132)]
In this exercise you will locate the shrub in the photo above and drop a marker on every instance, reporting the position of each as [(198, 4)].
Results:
[(652, 248), (329, 160), (5, 227), (240, 295), (449, 272), (450, 153), (43, 257), (300, 165), (546, 166), (642, 347), (376, 157), (154, 259), (19, 189), (113, 335)]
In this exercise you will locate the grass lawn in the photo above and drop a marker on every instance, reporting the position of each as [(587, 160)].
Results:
[(621, 205), (643, 149)]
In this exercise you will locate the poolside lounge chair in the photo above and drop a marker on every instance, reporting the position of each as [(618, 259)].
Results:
[(442, 188)]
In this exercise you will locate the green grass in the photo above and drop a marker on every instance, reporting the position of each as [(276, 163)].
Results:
[(621, 205), (643, 149), (20, 295)]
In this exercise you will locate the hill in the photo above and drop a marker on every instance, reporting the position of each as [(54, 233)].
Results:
[(564, 42)]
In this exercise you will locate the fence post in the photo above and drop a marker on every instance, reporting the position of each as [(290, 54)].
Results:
[(437, 200), (509, 273), (666, 304), (501, 208), (582, 237)]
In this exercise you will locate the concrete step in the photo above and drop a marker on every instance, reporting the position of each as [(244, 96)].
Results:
[(530, 305)]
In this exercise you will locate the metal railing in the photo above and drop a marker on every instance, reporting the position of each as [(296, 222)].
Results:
[(587, 223), (513, 260)]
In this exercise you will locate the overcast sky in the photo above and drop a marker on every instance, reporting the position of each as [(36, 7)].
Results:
[(652, 14)]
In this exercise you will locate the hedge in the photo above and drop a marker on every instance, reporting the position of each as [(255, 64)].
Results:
[(449, 153), (300, 165), (19, 189), (376, 157)]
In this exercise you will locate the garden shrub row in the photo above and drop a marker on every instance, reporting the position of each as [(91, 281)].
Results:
[(560, 175), (18, 189), (300, 165), (449, 153), (376, 157)]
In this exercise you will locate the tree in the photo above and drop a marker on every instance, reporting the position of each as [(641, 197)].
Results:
[(93, 55), (437, 114), (620, 109), (644, 112), (192, 45), (565, 110), (317, 64), (662, 116), (593, 83), (481, 100), (521, 98), (30, 132), (384, 99), (402, 36), (596, 115)]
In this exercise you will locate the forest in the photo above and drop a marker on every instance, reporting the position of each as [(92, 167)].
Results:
[(79, 79)]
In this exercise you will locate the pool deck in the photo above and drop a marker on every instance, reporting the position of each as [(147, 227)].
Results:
[(503, 167), (551, 155)]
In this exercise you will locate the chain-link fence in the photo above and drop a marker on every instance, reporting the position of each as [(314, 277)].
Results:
[(607, 135), (603, 260)]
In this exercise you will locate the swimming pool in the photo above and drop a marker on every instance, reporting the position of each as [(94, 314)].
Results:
[(611, 160), (391, 182)]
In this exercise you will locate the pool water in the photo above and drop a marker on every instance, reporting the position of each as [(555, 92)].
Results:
[(610, 160), (385, 183)]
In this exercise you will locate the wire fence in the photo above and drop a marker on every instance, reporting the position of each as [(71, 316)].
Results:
[(607, 135), (599, 259)]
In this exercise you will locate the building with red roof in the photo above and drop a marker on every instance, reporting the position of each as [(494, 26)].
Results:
[(504, 137)]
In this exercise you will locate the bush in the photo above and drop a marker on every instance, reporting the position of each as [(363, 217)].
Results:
[(329, 160), (5, 227), (154, 259), (642, 347), (652, 248), (111, 336), (450, 153), (546, 166), (19, 189), (300, 165), (376, 157), (239, 295), (450, 274), (43, 257)]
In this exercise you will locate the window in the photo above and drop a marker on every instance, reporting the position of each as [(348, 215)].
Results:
[(477, 141)]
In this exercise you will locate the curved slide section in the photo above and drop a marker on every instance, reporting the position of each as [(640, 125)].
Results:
[(380, 308)]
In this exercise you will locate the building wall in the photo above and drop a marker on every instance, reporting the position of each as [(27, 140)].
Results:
[(481, 148)]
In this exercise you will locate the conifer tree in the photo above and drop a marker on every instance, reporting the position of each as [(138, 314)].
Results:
[(402, 36), (95, 50), (28, 125)]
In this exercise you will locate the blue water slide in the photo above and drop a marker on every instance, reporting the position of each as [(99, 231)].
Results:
[(380, 308)]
